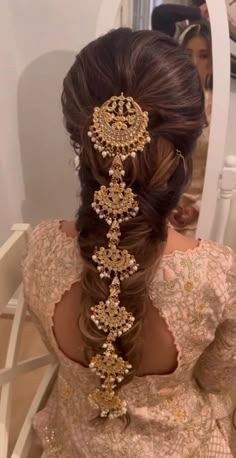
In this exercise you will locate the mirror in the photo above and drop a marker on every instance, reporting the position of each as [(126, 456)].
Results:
[(188, 22), (231, 9)]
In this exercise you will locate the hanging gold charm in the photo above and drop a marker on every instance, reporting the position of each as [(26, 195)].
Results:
[(115, 201), (114, 261), (110, 317), (119, 131)]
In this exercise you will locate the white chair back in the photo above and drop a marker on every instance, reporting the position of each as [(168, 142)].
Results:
[(12, 302), (227, 185)]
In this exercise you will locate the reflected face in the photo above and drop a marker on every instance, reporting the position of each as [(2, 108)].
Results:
[(199, 51)]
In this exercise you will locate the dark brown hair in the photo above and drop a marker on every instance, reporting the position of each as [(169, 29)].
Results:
[(200, 29), (198, 2), (151, 68)]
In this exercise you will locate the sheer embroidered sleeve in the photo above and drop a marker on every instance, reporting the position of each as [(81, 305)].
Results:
[(51, 266), (215, 371)]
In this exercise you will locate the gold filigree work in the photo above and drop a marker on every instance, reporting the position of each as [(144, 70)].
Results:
[(112, 260), (115, 201), (119, 131), (110, 317), (119, 126)]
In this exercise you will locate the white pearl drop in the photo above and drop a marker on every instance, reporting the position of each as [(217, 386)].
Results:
[(89, 134), (133, 154)]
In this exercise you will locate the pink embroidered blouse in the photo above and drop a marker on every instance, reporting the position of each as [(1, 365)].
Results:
[(182, 415)]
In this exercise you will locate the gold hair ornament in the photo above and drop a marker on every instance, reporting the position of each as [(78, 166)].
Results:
[(119, 131), (180, 156)]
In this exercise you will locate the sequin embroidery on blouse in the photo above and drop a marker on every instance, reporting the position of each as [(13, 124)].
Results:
[(182, 415)]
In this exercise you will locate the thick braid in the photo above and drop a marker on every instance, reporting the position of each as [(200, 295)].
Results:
[(148, 67)]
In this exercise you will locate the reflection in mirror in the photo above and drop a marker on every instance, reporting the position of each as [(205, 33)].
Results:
[(188, 22), (231, 9)]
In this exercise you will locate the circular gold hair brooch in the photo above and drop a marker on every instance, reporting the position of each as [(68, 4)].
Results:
[(119, 126)]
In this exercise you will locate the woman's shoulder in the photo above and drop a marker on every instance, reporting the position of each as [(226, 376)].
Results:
[(46, 233), (195, 271), (53, 259), (50, 229), (215, 258)]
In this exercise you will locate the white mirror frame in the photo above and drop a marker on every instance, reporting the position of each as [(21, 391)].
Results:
[(219, 117)]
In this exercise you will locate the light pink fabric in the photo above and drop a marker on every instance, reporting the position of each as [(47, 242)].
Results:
[(182, 415)]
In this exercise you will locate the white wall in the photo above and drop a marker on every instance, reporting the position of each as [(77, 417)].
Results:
[(38, 42), (44, 26), (11, 183)]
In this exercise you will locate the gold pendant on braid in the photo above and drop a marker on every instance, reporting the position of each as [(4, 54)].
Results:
[(119, 130)]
